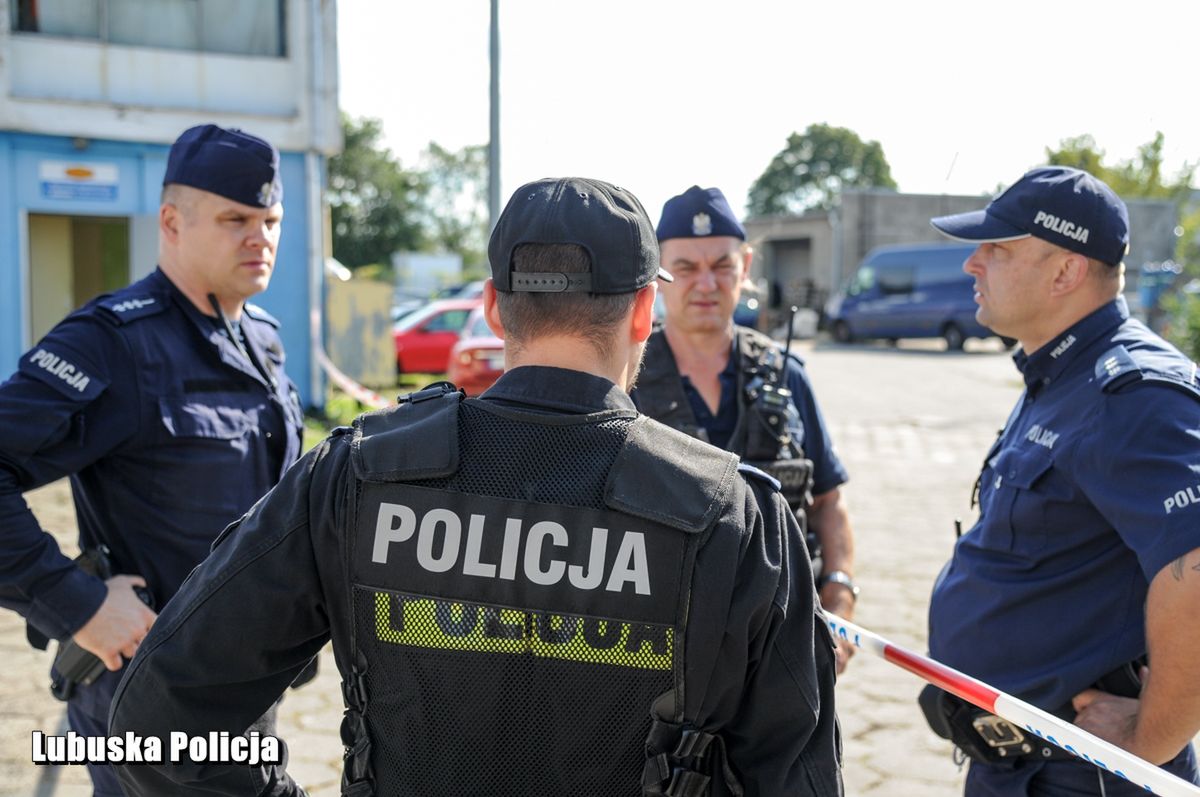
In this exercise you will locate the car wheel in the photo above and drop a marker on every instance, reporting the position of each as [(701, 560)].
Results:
[(953, 336), (841, 332)]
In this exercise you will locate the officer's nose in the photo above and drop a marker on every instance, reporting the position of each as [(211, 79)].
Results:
[(260, 237), (706, 280), (973, 265)]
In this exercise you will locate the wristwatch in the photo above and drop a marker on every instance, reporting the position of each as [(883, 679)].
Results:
[(840, 577)]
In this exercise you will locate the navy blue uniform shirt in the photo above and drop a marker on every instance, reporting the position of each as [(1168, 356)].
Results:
[(828, 471), (167, 432), (1089, 492)]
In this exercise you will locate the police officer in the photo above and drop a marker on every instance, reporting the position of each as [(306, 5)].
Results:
[(167, 405), (1086, 554), (536, 592), (733, 387)]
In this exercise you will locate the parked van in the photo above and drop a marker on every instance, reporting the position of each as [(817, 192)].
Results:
[(909, 291)]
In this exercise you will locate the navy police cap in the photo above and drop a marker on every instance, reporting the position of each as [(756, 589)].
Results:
[(699, 213), (1067, 207), (231, 163), (607, 221)]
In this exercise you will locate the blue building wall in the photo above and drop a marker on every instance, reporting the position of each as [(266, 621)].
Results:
[(141, 168)]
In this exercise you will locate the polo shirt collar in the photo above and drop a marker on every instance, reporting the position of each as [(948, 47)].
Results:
[(559, 389), (1047, 363)]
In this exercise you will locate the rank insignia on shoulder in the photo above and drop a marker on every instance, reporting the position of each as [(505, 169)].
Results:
[(1115, 368), (124, 309)]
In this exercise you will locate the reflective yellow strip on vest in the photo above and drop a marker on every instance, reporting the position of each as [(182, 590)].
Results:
[(446, 625)]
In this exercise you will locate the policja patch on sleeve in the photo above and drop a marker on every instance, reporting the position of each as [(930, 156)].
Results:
[(62, 371)]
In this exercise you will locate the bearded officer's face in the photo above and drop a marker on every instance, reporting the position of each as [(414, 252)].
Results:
[(708, 281)]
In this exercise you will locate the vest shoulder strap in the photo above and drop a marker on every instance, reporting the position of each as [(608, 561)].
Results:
[(760, 352), (416, 440), (664, 475)]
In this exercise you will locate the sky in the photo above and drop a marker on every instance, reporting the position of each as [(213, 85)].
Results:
[(658, 95)]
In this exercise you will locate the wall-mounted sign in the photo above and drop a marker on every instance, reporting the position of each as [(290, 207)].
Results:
[(91, 182)]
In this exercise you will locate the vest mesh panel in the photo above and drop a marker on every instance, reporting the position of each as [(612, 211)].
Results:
[(466, 699)]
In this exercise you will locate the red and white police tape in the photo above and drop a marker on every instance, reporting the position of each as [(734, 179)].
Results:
[(364, 395), (1033, 720)]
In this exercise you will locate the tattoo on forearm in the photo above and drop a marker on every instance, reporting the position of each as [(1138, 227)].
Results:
[(1178, 565)]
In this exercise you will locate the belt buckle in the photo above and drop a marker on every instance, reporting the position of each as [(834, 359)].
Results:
[(1001, 735)]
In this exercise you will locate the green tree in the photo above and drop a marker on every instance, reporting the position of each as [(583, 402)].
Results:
[(1079, 152), (1140, 177), (814, 167), (454, 208), (375, 204)]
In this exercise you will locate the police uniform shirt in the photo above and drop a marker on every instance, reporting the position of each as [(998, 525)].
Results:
[(278, 577), (812, 436), (1091, 490), (167, 432)]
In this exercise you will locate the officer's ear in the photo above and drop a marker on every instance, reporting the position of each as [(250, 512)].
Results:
[(641, 322), (170, 218), (491, 310), (747, 257), (1070, 272)]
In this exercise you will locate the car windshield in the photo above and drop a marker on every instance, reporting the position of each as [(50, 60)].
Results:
[(477, 328), (410, 320)]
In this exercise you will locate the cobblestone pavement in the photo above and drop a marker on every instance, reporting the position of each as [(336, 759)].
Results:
[(912, 425)]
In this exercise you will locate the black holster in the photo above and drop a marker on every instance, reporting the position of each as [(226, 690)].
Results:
[(981, 735), (73, 665), (988, 739)]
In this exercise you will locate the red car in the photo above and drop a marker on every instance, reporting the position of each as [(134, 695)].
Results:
[(425, 336), (477, 360)]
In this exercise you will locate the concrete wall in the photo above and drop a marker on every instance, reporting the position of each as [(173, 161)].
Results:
[(360, 330)]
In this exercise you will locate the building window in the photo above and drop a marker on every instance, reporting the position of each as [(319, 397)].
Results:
[(238, 27)]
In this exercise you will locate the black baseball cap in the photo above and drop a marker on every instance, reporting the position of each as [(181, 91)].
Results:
[(607, 221), (699, 213), (1067, 207), (231, 163)]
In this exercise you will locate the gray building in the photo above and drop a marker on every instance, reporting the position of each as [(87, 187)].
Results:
[(802, 259)]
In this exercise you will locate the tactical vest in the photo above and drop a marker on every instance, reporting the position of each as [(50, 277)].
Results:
[(767, 417), (520, 586)]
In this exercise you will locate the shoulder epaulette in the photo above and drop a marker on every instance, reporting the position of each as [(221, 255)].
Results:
[(1115, 368), (124, 308), (751, 472), (259, 314), (1119, 367)]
